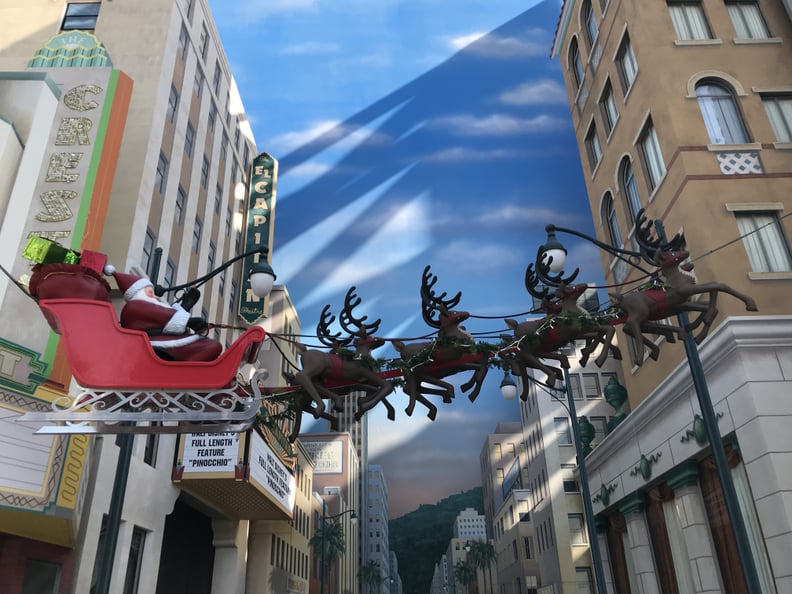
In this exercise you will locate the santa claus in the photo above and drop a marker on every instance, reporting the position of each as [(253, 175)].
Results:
[(174, 334)]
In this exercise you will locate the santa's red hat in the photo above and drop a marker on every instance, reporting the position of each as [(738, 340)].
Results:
[(128, 283)]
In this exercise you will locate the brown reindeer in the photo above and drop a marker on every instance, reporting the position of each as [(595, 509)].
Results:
[(641, 310), (427, 363), (322, 371), (566, 322)]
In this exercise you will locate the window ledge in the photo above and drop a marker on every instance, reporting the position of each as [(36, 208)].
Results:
[(658, 186), (762, 276), (697, 42), (758, 41), (596, 168), (734, 148), (783, 146)]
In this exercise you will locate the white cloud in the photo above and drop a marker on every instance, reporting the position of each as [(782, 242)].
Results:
[(534, 93), (402, 238), (461, 154), (492, 46), (499, 125), (308, 169), (512, 214), (343, 137), (310, 47)]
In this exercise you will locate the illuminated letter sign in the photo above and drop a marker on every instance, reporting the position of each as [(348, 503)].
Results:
[(258, 230)]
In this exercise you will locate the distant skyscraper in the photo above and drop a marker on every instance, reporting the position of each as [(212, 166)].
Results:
[(378, 547)]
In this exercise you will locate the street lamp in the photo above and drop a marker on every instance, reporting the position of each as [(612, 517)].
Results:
[(262, 278), (325, 517), (555, 266)]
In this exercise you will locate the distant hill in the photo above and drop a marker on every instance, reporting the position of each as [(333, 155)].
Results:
[(420, 538)]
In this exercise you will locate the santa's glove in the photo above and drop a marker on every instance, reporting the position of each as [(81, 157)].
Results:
[(198, 325), (190, 298)]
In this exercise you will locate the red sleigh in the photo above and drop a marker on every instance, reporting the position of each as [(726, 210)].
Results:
[(123, 381)]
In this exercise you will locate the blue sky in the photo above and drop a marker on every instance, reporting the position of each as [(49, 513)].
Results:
[(412, 133)]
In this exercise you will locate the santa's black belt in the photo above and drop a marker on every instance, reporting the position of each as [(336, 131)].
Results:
[(154, 332)]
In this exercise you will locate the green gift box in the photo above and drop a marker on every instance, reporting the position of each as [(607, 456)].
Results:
[(45, 251)]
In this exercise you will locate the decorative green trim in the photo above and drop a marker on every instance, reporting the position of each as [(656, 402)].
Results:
[(632, 503), (24, 357), (604, 494), (683, 475), (698, 431), (645, 465)]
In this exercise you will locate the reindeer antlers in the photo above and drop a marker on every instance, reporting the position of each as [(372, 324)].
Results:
[(648, 245), (431, 303), (323, 330), (352, 325)]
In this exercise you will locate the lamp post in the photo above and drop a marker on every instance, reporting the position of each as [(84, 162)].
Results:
[(325, 517), (554, 259), (262, 279)]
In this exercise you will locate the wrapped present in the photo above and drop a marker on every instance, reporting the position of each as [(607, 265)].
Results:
[(45, 251), (94, 260)]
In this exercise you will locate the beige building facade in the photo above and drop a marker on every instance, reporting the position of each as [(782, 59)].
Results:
[(685, 109)]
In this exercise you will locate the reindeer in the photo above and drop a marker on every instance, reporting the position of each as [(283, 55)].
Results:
[(540, 339), (641, 310), (441, 357), (320, 369)]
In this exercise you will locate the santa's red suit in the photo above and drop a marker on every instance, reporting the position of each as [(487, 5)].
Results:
[(166, 325)]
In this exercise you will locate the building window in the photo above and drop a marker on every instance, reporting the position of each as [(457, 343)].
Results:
[(609, 216), (190, 8), (224, 148), (210, 257), (212, 116), (81, 15), (236, 140), (204, 42), (41, 577), (161, 175), (205, 172), (232, 298), (721, 114), (150, 451), (577, 531), (585, 581), (764, 241), (747, 19), (181, 202), (135, 561), (576, 63), (650, 151), (218, 198), (189, 139), (149, 244), (184, 38), (626, 64), (574, 386), (630, 189), (497, 451), (689, 20), (610, 114), (600, 428), (218, 73), (563, 433), (591, 23), (196, 238), (198, 82), (779, 110), (528, 546), (173, 104), (568, 478), (593, 147), (170, 273), (591, 385), (221, 283)]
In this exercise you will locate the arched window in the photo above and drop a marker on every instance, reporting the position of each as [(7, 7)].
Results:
[(720, 112), (629, 187), (609, 216), (575, 63), (587, 11)]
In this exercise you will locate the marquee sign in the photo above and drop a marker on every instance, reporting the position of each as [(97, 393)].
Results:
[(258, 230)]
